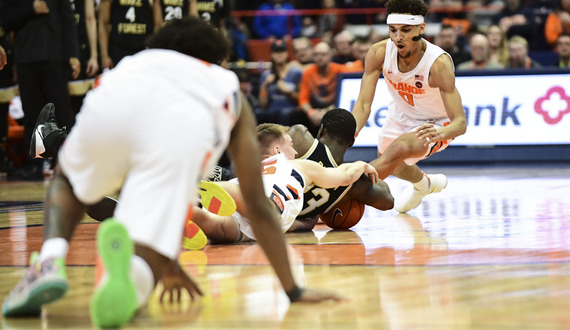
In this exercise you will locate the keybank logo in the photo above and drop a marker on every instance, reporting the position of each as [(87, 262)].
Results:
[(553, 106)]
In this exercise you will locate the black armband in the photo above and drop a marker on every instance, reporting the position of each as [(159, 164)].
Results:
[(294, 294)]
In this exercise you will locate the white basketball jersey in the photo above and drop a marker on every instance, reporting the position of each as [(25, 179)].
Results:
[(412, 97), (284, 185)]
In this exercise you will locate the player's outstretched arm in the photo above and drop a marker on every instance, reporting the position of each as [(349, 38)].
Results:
[(331, 177), (372, 70), (443, 77), (246, 157), (377, 195)]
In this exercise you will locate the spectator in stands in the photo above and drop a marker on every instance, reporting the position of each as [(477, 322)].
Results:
[(360, 47), (563, 50), (277, 26), (123, 29), (246, 88), (329, 24), (279, 87), (557, 22), (303, 50), (447, 40), (518, 54), (309, 27), (480, 56), (343, 47), (516, 19), (317, 92), (498, 47)]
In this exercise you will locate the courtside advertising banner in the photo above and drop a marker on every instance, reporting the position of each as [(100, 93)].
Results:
[(515, 109)]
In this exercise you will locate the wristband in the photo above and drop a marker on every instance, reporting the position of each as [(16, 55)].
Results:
[(294, 294)]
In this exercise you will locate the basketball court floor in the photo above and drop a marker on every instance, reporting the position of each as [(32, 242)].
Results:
[(491, 251)]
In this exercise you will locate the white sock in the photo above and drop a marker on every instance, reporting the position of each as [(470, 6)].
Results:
[(423, 184), (143, 278), (54, 247)]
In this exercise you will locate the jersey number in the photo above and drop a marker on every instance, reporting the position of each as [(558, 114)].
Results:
[(172, 12), (408, 97), (313, 203), (131, 16), (269, 168)]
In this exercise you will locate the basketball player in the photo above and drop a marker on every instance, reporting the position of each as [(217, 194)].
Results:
[(425, 113), (284, 178), (335, 136), (152, 151)]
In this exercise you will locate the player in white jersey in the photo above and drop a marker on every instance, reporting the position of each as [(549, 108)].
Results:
[(153, 128), (285, 179), (426, 111)]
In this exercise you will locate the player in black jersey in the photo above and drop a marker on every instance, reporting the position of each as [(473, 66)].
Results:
[(167, 10), (335, 136)]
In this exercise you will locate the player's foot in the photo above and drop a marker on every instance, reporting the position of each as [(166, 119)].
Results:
[(43, 283), (220, 174), (411, 197), (114, 301), (194, 237), (216, 199), (46, 124)]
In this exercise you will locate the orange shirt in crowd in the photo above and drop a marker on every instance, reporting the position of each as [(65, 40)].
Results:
[(324, 87), (553, 27)]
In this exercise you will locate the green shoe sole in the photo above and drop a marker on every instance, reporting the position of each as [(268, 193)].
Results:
[(114, 302)]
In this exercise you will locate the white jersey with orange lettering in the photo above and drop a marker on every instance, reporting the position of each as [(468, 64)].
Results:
[(414, 102), (284, 185)]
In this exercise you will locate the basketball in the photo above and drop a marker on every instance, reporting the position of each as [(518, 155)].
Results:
[(344, 214)]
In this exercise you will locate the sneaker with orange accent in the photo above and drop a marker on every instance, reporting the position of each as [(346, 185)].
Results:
[(194, 237), (43, 283), (216, 199), (411, 197), (114, 301)]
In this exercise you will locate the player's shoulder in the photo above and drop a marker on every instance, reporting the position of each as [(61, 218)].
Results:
[(380, 46)]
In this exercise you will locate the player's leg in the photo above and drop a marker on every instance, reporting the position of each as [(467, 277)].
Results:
[(46, 279), (405, 146), (218, 229)]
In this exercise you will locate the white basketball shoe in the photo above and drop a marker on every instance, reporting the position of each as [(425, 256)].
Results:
[(411, 197)]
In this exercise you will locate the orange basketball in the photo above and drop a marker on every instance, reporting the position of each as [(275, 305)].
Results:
[(344, 214)]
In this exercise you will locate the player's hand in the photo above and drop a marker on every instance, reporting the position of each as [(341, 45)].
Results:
[(3, 58), (174, 281), (428, 133), (315, 296), (371, 172), (75, 67), (92, 67), (107, 62)]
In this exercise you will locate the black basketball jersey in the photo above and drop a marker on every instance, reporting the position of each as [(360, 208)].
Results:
[(174, 9), (131, 23), (212, 11), (317, 200)]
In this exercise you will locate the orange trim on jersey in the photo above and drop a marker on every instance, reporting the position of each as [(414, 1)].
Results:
[(294, 191), (205, 160), (277, 200)]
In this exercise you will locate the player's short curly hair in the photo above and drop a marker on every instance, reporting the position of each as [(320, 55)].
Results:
[(413, 7), (268, 133), (192, 37), (340, 125)]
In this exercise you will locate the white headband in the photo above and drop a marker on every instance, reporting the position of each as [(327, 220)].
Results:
[(405, 19)]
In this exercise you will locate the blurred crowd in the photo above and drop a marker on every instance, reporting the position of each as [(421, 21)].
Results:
[(287, 54)]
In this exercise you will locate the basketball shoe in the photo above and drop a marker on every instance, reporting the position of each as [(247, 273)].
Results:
[(114, 301), (46, 124), (194, 237), (43, 283), (220, 174), (216, 199), (411, 197)]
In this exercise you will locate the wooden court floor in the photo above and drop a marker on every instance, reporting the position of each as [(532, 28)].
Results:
[(492, 251)]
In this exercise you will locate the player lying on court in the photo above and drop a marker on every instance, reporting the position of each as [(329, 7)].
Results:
[(335, 136), (284, 180)]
